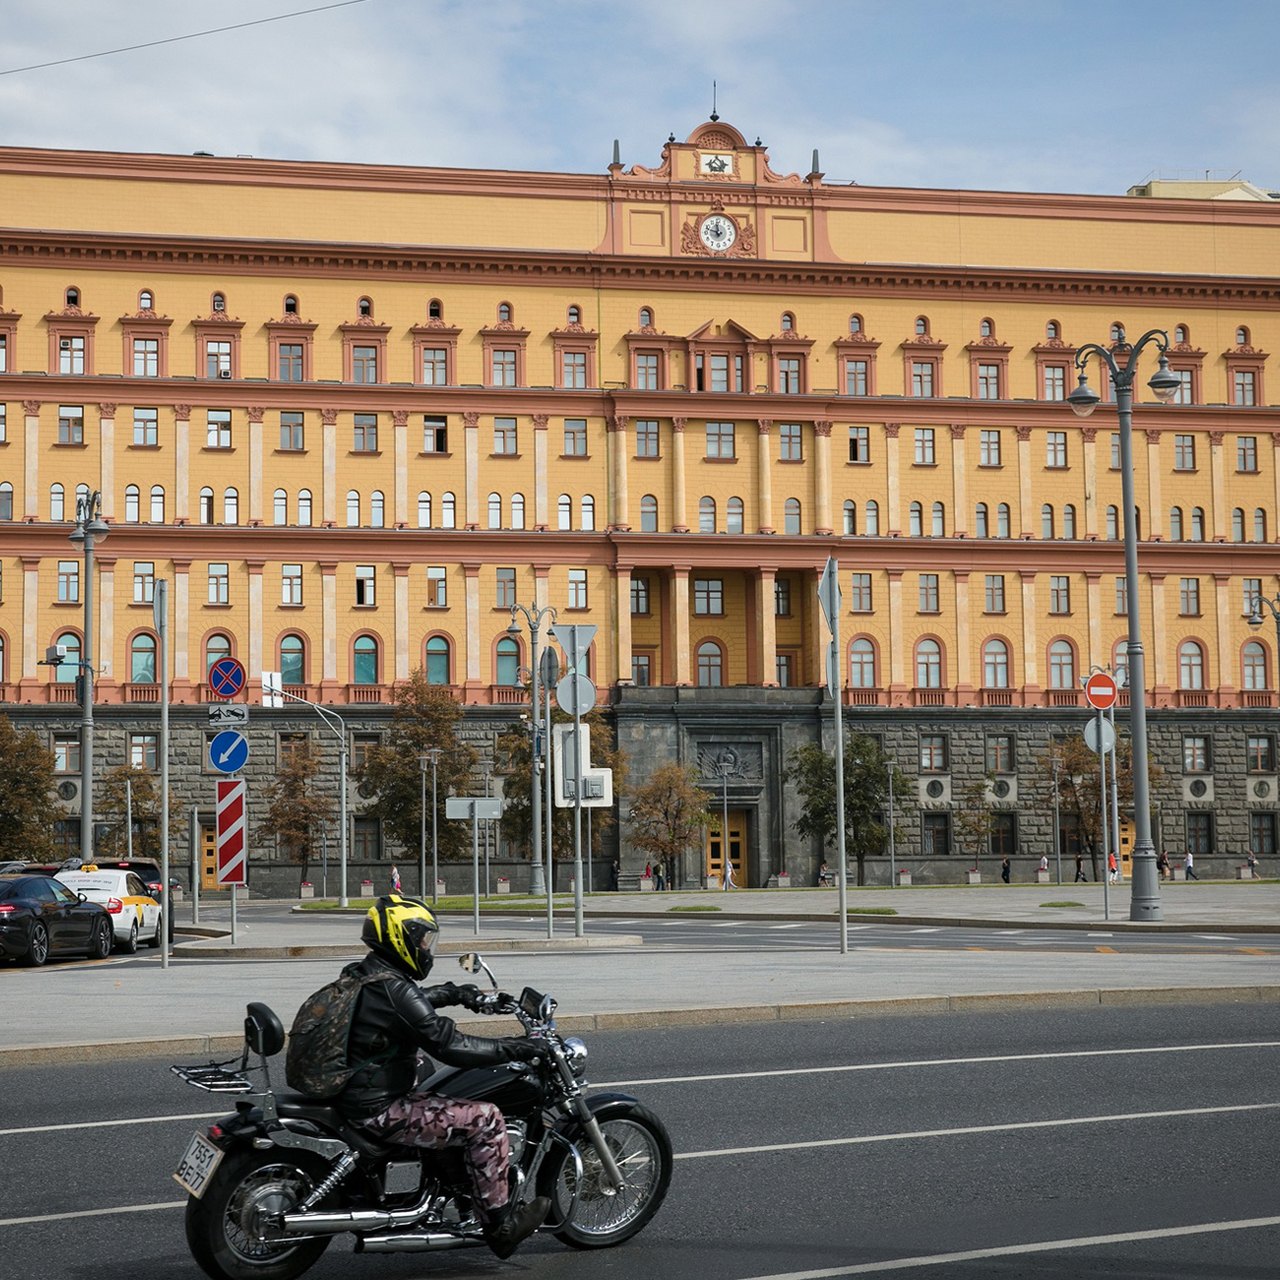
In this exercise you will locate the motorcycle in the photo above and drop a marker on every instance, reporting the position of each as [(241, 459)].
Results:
[(270, 1186)]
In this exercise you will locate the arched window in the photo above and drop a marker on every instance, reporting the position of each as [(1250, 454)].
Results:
[(280, 507), (850, 517), (304, 508), (131, 503), (365, 656), (495, 511), (1254, 658), (364, 308), (706, 515), (710, 665), (575, 315), (1190, 665), (1002, 520), (1068, 521), (862, 664), (231, 507), (146, 300), (58, 502), (564, 511), (6, 501), (648, 514), (855, 324), (915, 520), (871, 520), (928, 665), (646, 317), (290, 305), (995, 665), (922, 326), (1113, 523), (1175, 524), (69, 668), (1117, 332), (1197, 524), (791, 516), (1259, 525), (1237, 525), (216, 647), (1, 659), (293, 660), (142, 659), (72, 297), (1062, 665), (1180, 333), (517, 510), (448, 511), (1053, 331), (1242, 337), (788, 322), (1046, 520), (353, 508), (986, 329), (939, 520), (733, 516), (505, 314), (157, 504), (424, 510), (508, 661), (587, 513), (437, 669), (206, 505), (435, 309), (981, 529), (218, 302), (377, 509)]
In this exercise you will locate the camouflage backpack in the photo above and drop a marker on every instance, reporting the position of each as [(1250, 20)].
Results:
[(316, 1061)]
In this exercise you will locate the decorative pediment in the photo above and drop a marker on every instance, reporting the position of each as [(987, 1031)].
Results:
[(731, 331)]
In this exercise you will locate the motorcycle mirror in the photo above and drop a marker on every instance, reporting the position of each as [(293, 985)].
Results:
[(473, 962)]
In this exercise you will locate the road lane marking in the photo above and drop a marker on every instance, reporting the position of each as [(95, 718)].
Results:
[(969, 1130), (1015, 1250), (1100, 935), (92, 1213), (1110, 951), (1215, 937), (107, 1124), (786, 926)]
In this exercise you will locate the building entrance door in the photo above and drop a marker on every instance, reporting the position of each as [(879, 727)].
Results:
[(1126, 849), (208, 857), (737, 847)]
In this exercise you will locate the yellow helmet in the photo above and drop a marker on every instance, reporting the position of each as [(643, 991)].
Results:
[(403, 932)]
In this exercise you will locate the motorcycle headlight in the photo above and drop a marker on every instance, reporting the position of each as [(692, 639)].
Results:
[(576, 1052)]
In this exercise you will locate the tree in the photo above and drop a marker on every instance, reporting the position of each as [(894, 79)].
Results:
[(143, 790), (866, 796), (426, 716), (28, 809), (297, 807), (669, 813), (975, 817)]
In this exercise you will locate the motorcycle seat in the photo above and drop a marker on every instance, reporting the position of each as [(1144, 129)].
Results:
[(298, 1107)]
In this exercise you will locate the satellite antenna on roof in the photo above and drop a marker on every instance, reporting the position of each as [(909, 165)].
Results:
[(713, 101)]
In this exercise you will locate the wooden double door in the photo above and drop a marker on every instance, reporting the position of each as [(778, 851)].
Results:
[(732, 842)]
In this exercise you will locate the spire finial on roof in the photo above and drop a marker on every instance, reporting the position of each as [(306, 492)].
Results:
[(714, 116)]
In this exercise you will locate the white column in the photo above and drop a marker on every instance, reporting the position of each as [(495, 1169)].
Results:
[(764, 471), (1027, 526), (181, 619), (31, 654), (400, 432), (255, 618), (329, 431), (107, 459), (106, 623), (182, 462), (473, 623), (329, 619), (1154, 525), (680, 621), (822, 478), (769, 629), (1220, 516), (893, 503), (541, 516), (401, 571), (471, 499), (679, 513), (31, 457), (1089, 436), (959, 489), (616, 434), (255, 473)]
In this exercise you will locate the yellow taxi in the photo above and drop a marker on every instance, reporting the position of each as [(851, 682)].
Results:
[(135, 914)]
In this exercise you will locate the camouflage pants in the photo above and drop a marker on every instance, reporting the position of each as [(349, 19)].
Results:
[(425, 1120)]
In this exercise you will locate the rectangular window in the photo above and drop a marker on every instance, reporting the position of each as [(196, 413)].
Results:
[(70, 355), (71, 424), (988, 382), (366, 839), (144, 750), (647, 438), (860, 595), (66, 753), (995, 593), (855, 377), (1184, 453), (504, 368), (925, 456), (435, 366), (437, 587), (1260, 753), (708, 596), (1183, 395), (217, 359), (218, 435), (933, 753), (1115, 451), (293, 745), (219, 584), (366, 433), (435, 435), (4, 353), (720, 440), (366, 585), (364, 364), (639, 596), (575, 437), (782, 597), (1200, 833), (146, 427), (1055, 443), (290, 584), (144, 581), (4, 425), (1195, 754), (1122, 597), (1055, 382), (1003, 842), (790, 442), (928, 593), (504, 435), (1246, 453), (859, 444), (146, 357), (999, 753), (1262, 834), (289, 362), (505, 580), (68, 581), (1245, 387), (577, 588), (783, 668), (1251, 593), (646, 372), (573, 370), (291, 433), (789, 375), (1189, 597), (935, 834), (1059, 593), (640, 673), (922, 378), (989, 449)]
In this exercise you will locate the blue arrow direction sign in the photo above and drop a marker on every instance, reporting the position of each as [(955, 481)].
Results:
[(229, 751)]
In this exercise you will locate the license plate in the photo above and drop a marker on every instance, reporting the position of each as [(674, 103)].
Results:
[(198, 1164)]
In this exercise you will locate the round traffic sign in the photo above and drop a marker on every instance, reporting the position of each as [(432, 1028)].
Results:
[(1092, 737), (575, 694), (226, 677), (1100, 691), (229, 751)]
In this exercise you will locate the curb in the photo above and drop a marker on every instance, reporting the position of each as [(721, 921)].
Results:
[(227, 1044), (318, 951)]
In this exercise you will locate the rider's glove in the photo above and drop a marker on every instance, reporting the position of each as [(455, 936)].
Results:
[(522, 1050), (449, 993), (471, 997)]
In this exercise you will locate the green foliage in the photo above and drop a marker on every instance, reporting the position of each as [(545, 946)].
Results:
[(28, 808), (866, 796), (298, 807), (113, 806), (669, 813), (974, 817)]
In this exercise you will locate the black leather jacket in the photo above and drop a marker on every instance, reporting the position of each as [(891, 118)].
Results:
[(393, 1020)]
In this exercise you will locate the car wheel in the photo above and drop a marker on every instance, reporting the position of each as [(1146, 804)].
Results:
[(100, 947), (130, 944), (159, 933), (38, 947)]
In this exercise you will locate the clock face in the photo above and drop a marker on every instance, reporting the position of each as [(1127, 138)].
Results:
[(718, 232)]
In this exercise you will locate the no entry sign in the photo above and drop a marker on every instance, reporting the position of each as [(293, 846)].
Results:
[(1100, 691), (232, 848)]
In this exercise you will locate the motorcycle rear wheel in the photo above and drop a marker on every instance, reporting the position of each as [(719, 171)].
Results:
[(642, 1149), (223, 1226)]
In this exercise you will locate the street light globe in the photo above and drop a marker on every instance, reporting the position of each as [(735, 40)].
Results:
[(1084, 399), (1164, 382), (1255, 620)]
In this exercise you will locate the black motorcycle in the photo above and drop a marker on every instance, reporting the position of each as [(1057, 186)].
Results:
[(270, 1186)]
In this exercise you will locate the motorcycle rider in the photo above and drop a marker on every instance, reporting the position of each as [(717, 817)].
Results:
[(394, 1019)]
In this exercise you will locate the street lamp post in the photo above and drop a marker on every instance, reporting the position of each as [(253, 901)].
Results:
[(90, 528), (432, 753), (1057, 825), (1144, 904)]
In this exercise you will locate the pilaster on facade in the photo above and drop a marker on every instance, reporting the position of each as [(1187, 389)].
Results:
[(255, 414), (1159, 671), (1226, 656), (1221, 514), (29, 684), (31, 459), (182, 689), (680, 615), (897, 646), (472, 685), (616, 440), (1096, 656), (329, 441), (471, 498), (622, 620), (679, 509), (767, 626), (959, 490), (403, 653), (329, 687), (1089, 453), (107, 458), (765, 478), (541, 510), (105, 622), (400, 439), (1155, 507), (893, 497), (541, 584), (1275, 477), (181, 463), (822, 524), (254, 566), (1031, 687), (1026, 529)]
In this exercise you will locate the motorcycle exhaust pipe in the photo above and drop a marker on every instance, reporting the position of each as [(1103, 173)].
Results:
[(332, 1224), (415, 1242)]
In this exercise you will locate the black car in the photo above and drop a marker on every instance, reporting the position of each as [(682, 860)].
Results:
[(40, 917)]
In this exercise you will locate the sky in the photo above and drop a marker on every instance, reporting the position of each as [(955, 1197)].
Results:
[(1015, 95)]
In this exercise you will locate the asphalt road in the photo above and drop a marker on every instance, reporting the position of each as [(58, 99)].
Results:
[(1117, 1143)]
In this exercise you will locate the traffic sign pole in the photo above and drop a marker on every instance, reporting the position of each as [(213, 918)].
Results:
[(1102, 813), (829, 598)]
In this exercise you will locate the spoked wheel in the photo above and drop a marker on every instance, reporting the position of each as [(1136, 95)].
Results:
[(103, 941), (130, 944), (38, 950), (232, 1230), (642, 1150)]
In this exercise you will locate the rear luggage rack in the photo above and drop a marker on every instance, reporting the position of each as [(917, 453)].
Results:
[(214, 1078)]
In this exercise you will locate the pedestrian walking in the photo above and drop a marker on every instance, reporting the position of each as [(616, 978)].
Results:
[(648, 870), (1004, 870), (614, 872), (660, 876), (824, 876), (1162, 864), (728, 875), (1080, 875), (1254, 873), (1113, 868), (1189, 865), (395, 879)]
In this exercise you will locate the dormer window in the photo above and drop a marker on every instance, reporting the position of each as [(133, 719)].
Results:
[(1053, 331), (364, 309), (219, 302), (646, 318), (922, 326), (504, 313), (146, 302), (788, 322), (435, 311), (73, 297), (575, 315), (1242, 337), (855, 324), (986, 329), (290, 305)]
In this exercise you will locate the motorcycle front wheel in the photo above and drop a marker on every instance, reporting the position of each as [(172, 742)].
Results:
[(228, 1229), (642, 1150)]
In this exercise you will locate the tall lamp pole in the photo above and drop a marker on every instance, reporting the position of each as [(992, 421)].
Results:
[(90, 528), (1121, 362), (1255, 620), (432, 754)]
